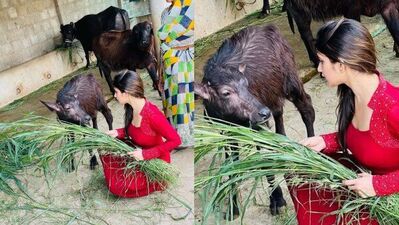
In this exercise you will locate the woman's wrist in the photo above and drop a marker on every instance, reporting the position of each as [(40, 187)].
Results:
[(137, 154)]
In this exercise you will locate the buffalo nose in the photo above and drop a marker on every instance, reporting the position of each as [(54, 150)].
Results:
[(264, 113), (87, 118)]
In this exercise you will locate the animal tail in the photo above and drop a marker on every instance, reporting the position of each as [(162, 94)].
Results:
[(289, 17)]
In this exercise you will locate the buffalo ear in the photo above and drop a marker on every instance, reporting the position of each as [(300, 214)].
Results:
[(52, 106), (242, 68), (71, 23), (202, 90)]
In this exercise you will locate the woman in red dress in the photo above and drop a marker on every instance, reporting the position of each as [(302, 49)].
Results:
[(146, 127), (368, 123)]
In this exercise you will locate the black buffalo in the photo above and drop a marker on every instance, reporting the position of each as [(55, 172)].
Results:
[(248, 80), (93, 25), (129, 49), (78, 102), (304, 11)]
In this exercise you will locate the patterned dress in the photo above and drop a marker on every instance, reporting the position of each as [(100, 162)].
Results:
[(177, 31)]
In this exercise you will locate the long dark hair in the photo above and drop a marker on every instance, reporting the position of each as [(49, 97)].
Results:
[(131, 83), (348, 42)]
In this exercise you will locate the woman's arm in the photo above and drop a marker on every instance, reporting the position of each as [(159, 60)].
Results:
[(393, 121), (121, 133), (331, 141), (117, 133), (162, 127), (386, 184), (327, 143), (389, 183)]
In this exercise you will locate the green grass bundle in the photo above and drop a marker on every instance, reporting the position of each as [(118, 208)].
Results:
[(15, 156), (40, 142), (277, 155)]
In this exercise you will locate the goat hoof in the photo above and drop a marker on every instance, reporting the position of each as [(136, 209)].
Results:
[(263, 15), (70, 165), (229, 217), (274, 211), (70, 168), (93, 163), (92, 167), (275, 206), (281, 203)]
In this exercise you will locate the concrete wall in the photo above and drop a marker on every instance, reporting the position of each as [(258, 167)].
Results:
[(73, 10), (21, 80), (29, 34), (136, 9), (27, 30), (212, 15)]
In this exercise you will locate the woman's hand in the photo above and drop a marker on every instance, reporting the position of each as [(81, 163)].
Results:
[(136, 154), (363, 185), (316, 143), (112, 133)]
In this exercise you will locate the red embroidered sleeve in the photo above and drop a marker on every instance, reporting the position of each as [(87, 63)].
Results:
[(389, 183), (386, 184), (393, 121), (162, 127), (121, 133), (331, 141)]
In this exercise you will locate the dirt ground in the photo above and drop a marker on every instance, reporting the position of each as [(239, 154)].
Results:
[(324, 101), (83, 193)]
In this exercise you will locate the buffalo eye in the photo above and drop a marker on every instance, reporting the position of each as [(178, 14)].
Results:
[(226, 93)]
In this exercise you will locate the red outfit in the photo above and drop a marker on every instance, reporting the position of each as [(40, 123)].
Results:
[(376, 149), (149, 136)]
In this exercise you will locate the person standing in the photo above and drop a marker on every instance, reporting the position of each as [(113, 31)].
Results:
[(177, 74)]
